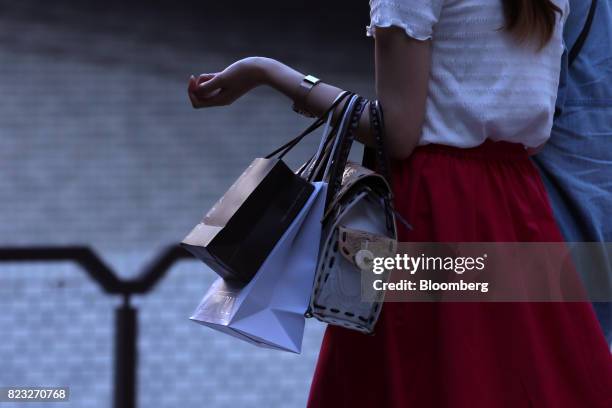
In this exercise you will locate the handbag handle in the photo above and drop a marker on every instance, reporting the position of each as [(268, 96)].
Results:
[(321, 158), (377, 127), (321, 170), (305, 170), (345, 140), (342, 146), (284, 149)]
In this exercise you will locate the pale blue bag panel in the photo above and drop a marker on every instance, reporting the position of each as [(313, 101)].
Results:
[(269, 311), (576, 163)]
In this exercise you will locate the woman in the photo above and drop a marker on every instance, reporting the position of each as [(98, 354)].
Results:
[(467, 87)]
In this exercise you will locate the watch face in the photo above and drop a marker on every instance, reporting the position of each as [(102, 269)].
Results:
[(311, 79)]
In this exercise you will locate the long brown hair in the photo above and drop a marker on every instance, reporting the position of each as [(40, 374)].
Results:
[(531, 20)]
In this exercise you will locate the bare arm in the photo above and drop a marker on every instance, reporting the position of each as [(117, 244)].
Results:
[(402, 77), (402, 72)]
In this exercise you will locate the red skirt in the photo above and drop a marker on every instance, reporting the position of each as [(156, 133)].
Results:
[(469, 355)]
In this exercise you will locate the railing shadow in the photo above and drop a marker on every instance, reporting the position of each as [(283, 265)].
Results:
[(126, 316)]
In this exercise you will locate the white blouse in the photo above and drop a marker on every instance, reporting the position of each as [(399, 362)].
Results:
[(482, 85)]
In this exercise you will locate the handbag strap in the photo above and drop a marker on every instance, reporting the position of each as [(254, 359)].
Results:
[(320, 163), (284, 149), (306, 170), (344, 141), (377, 127), (336, 141), (320, 170), (341, 148)]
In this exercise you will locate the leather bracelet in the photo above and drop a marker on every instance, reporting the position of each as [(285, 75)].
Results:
[(304, 89)]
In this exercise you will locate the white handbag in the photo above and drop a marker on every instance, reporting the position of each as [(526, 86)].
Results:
[(359, 223)]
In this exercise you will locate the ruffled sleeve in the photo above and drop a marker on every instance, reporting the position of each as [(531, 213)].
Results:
[(416, 17)]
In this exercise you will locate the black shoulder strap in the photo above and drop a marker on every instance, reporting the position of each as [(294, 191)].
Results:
[(583, 34)]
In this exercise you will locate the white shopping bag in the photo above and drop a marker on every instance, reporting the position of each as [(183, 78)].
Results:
[(269, 310)]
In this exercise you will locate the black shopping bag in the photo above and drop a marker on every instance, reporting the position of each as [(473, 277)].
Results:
[(242, 228)]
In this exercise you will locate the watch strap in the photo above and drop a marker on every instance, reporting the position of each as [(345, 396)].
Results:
[(306, 85)]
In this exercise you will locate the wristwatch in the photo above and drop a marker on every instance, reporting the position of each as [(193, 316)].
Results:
[(304, 89)]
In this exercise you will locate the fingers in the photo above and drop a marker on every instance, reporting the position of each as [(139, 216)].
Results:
[(216, 98), (204, 77), (207, 84), (191, 88), (205, 91)]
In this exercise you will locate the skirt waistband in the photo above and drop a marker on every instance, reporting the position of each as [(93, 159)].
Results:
[(488, 150)]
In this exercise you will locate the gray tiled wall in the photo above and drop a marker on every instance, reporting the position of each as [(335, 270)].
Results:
[(99, 146)]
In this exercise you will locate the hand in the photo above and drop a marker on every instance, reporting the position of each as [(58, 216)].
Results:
[(223, 88)]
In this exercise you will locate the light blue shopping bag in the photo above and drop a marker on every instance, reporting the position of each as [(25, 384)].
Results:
[(269, 310)]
